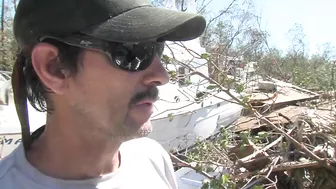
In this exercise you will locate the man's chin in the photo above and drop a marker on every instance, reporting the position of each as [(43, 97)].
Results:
[(138, 130), (145, 129)]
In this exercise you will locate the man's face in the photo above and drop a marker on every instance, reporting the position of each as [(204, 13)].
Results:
[(115, 102)]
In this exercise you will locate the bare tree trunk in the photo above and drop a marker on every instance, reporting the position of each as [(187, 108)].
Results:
[(2, 22), (14, 2)]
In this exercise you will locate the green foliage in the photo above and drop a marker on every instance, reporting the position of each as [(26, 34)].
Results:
[(312, 73), (222, 182), (8, 47), (258, 187), (205, 56), (171, 117)]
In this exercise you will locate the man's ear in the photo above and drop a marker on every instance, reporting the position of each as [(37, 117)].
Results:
[(45, 61)]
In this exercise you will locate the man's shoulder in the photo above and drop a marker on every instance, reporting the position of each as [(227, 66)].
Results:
[(144, 140), (146, 147), (6, 166), (144, 144), (147, 154)]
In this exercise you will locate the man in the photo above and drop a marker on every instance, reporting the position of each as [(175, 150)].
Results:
[(94, 66)]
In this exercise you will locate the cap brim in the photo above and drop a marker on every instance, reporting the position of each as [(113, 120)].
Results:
[(149, 23)]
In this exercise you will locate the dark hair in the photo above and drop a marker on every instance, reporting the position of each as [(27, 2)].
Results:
[(67, 59)]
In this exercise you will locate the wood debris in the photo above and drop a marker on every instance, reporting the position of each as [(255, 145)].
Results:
[(287, 146)]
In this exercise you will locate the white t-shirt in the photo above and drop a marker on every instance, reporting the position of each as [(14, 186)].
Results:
[(144, 165)]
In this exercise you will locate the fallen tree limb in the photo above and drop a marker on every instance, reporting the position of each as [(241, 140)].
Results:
[(280, 167), (182, 163), (322, 162), (244, 160)]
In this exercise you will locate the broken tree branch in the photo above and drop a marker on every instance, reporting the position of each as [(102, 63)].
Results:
[(242, 161)]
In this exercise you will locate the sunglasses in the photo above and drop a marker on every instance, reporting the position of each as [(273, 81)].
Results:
[(130, 57)]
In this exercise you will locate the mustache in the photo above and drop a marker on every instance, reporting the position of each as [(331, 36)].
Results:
[(151, 93)]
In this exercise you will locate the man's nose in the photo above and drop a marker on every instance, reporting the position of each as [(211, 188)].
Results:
[(156, 74)]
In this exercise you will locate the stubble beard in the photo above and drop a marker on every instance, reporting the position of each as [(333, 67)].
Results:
[(121, 131), (131, 132)]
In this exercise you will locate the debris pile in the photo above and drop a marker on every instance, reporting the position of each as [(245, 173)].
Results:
[(282, 145)]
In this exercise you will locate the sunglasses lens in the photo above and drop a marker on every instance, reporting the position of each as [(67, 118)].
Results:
[(136, 57)]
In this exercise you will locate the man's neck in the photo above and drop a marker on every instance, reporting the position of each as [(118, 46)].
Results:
[(66, 154)]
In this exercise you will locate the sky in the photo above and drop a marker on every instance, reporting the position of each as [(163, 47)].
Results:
[(317, 17)]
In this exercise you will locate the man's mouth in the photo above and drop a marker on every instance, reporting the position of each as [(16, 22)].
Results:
[(145, 102), (145, 108)]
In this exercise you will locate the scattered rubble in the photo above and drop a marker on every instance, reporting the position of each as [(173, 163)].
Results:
[(286, 141)]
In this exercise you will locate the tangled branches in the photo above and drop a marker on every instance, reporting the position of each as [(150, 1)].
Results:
[(297, 154)]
